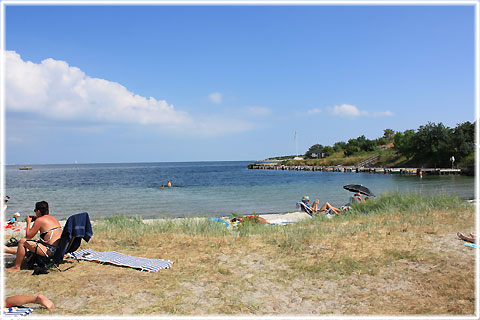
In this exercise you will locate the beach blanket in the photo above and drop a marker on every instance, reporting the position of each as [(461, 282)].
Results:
[(279, 222), (16, 312), (119, 259), (220, 220)]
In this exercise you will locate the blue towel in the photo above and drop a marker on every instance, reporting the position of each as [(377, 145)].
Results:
[(120, 259), (14, 312), (473, 245), (220, 220)]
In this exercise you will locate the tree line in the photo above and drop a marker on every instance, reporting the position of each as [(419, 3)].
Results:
[(431, 144)]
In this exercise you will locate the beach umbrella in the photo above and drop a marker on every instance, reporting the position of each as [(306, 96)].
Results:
[(359, 188)]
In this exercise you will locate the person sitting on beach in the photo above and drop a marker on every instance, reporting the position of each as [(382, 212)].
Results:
[(356, 198), (314, 206), (14, 220), (50, 233), (324, 209), (18, 301)]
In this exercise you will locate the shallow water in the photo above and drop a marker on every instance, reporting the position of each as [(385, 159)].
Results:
[(199, 188)]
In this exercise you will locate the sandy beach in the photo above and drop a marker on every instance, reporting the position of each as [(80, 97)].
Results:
[(407, 262)]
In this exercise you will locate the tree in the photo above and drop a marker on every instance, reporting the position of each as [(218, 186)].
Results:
[(350, 150), (328, 151), (402, 143), (463, 140), (316, 148), (388, 134), (339, 146), (367, 145), (381, 141), (432, 144)]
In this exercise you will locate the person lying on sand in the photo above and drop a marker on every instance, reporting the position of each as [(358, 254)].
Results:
[(50, 233), (470, 239), (18, 301)]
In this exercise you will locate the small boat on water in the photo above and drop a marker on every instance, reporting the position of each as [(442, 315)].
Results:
[(25, 168)]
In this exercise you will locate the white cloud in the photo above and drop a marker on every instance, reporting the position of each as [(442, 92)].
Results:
[(387, 113), (216, 97), (347, 110), (351, 111), (60, 91), (314, 111), (56, 90), (258, 111)]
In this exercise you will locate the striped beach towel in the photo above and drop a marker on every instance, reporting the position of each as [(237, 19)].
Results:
[(14, 312), (119, 259)]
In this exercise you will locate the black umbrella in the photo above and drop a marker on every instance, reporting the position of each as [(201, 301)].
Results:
[(359, 188)]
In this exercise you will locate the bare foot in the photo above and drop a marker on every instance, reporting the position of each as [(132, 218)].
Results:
[(13, 269), (465, 238), (44, 301)]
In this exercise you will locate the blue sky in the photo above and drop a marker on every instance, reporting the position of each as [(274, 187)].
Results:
[(197, 83)]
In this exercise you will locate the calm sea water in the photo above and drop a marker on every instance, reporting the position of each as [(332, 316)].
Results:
[(199, 188)]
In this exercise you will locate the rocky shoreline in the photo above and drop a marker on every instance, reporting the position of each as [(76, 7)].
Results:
[(339, 168)]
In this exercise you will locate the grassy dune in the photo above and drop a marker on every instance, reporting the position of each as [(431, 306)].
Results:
[(397, 255)]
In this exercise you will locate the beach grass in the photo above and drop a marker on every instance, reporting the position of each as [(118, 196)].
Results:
[(396, 255)]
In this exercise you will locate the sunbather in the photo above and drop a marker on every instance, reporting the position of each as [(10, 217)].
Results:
[(314, 206), (325, 208), (18, 301), (356, 198), (50, 232)]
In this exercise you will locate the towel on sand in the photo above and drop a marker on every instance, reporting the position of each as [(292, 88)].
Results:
[(14, 312), (280, 222), (119, 259)]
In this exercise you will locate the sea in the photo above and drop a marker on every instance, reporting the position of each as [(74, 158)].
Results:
[(217, 188)]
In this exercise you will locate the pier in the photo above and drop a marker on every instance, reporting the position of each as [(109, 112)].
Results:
[(407, 171)]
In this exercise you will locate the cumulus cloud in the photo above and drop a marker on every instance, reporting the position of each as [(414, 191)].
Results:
[(258, 111), (216, 97), (347, 110), (314, 111), (59, 91), (351, 111)]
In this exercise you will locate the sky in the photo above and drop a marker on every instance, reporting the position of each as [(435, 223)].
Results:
[(100, 84)]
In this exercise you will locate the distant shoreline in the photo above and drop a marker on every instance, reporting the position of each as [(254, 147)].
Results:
[(340, 168)]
